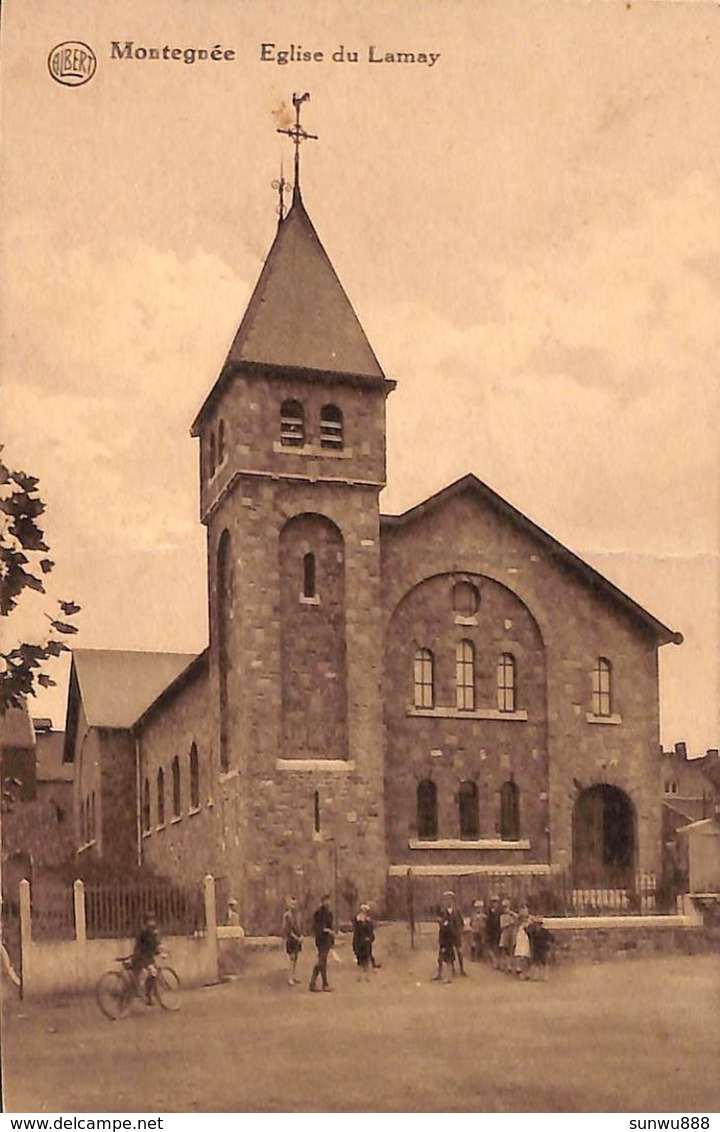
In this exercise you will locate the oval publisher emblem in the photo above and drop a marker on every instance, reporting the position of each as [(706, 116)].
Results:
[(72, 63)]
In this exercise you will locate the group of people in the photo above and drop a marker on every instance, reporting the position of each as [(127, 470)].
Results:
[(510, 939), (323, 930)]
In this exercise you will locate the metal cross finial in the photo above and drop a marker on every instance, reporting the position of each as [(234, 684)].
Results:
[(298, 134), (281, 186)]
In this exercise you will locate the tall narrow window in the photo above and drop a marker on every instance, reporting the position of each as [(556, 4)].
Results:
[(221, 442), (92, 817), (83, 823), (309, 575), (465, 675), (316, 811), (146, 806), (506, 682), (292, 424), (176, 787), (468, 813), (211, 457), (161, 797), (602, 687), (423, 679), (427, 812), (194, 779), (509, 811), (331, 427)]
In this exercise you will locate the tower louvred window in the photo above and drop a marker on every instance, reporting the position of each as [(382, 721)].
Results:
[(292, 424), (331, 427)]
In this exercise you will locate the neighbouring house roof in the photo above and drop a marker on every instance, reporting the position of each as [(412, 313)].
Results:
[(16, 729), (195, 668), (707, 827), (115, 687), (299, 317), (470, 484)]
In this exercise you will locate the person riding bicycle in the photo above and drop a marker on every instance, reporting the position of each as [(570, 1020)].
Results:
[(145, 950)]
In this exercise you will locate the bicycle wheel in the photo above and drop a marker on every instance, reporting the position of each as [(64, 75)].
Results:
[(114, 994), (167, 988)]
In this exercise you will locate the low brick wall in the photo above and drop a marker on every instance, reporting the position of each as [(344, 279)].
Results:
[(588, 939)]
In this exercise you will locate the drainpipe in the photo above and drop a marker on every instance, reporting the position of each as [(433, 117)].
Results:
[(138, 801)]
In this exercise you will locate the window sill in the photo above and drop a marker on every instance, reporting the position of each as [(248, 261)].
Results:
[(174, 821), (462, 619), (226, 775), (457, 713), (314, 600), (86, 845), (146, 833), (158, 828), (313, 450), (477, 846), (333, 765), (194, 810), (613, 720)]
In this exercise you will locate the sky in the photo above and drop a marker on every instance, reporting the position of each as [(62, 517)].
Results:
[(528, 230)]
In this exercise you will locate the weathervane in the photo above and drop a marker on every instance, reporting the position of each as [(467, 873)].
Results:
[(298, 134)]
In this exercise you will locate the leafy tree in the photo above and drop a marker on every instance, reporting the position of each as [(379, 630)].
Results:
[(24, 564)]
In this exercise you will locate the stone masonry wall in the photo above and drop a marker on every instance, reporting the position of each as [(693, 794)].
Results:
[(577, 624)]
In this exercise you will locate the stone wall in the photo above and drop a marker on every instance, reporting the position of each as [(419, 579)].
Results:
[(577, 622)]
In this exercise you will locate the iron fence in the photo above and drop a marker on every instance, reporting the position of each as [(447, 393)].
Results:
[(551, 894), (116, 911)]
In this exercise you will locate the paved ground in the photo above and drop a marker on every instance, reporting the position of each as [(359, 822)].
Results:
[(634, 1036)]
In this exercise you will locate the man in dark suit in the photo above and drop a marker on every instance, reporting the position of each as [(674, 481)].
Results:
[(322, 924)]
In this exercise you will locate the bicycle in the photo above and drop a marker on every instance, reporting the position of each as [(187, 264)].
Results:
[(115, 990)]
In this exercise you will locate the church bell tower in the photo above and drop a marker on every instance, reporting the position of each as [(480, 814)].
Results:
[(292, 461)]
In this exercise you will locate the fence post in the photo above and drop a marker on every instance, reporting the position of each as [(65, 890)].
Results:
[(25, 938), (81, 972), (211, 924)]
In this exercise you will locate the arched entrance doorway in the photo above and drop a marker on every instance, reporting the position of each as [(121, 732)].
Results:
[(603, 838)]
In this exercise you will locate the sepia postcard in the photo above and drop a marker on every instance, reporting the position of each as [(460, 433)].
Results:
[(360, 560)]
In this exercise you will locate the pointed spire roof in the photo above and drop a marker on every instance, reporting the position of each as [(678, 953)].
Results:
[(299, 316)]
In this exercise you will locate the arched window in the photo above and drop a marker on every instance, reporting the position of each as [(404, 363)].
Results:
[(468, 812), (92, 817), (427, 814), (161, 797), (465, 675), (176, 787), (146, 806), (224, 584), (602, 687), (212, 464), (221, 442), (292, 424), (423, 679), (83, 824), (194, 779), (509, 811), (506, 682), (466, 599), (309, 575), (331, 427)]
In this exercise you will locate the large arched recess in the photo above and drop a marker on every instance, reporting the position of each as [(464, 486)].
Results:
[(424, 618), (313, 638), (604, 837)]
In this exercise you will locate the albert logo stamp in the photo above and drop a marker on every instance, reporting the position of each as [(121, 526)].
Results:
[(72, 63)]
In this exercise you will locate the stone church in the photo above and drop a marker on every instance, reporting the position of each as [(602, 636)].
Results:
[(448, 690)]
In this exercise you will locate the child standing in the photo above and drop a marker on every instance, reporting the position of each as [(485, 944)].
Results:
[(363, 937), (293, 937), (522, 945), (478, 927), (506, 945)]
